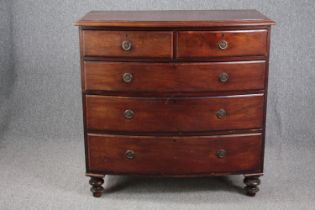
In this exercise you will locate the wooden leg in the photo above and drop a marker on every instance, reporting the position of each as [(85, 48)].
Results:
[(96, 183), (251, 183)]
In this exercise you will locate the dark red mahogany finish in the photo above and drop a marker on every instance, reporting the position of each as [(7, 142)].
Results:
[(174, 77), (174, 155), (174, 114), (174, 93)]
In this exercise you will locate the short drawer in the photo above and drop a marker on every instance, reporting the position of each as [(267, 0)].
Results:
[(180, 77), (182, 114), (205, 44), (174, 155), (138, 44)]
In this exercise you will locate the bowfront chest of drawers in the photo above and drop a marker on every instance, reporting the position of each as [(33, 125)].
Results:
[(174, 93)]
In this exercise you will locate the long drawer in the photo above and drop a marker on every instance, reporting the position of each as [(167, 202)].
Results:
[(167, 114), (203, 44), (176, 77), (174, 155)]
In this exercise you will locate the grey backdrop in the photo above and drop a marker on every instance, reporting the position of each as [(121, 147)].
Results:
[(41, 120)]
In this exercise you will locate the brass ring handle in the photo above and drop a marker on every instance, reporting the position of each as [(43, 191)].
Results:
[(130, 154), (223, 44), (126, 45), (221, 153), (127, 77), (129, 114), (224, 77), (221, 113)]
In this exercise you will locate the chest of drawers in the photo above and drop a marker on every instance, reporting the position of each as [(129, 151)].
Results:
[(174, 93)]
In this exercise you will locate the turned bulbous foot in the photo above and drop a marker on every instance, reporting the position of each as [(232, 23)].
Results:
[(96, 183), (251, 183)]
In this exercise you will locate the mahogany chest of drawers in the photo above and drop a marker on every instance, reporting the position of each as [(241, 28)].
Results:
[(174, 93)]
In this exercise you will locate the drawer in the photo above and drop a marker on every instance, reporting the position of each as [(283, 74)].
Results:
[(136, 44), (167, 114), (174, 155), (181, 77), (205, 44)]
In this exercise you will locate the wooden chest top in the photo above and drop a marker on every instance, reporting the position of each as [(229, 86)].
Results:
[(175, 18)]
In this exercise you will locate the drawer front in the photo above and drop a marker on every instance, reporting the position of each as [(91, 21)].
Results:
[(174, 155), (174, 114), (205, 44), (136, 44), (183, 77)]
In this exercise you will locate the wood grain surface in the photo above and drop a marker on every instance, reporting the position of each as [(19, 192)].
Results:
[(174, 155), (177, 114), (174, 77), (205, 43)]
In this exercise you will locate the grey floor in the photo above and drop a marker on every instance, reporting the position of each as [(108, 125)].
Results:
[(46, 173)]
